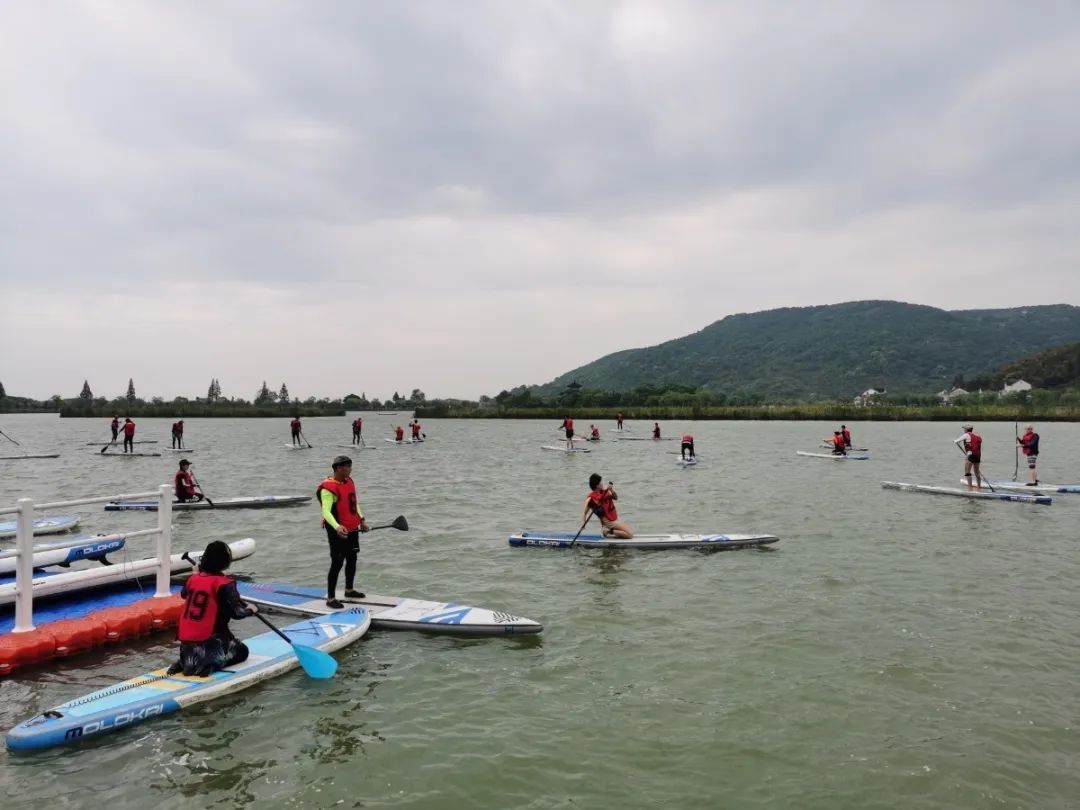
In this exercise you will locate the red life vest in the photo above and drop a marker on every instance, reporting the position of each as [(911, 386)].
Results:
[(295, 425), (601, 500), (129, 429), (596, 433), (568, 423), (357, 423), (847, 436), (838, 442), (974, 443), (399, 433), (344, 509), (416, 429), (183, 485), (200, 606), (115, 424), (1030, 443), (688, 438)]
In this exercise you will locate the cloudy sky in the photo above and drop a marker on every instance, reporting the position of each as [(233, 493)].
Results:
[(466, 196)]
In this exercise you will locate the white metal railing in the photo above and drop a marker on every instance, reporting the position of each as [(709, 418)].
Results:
[(24, 545)]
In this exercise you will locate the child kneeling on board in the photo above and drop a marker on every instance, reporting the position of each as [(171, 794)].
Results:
[(210, 602)]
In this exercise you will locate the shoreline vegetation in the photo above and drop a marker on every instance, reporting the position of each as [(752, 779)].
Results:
[(835, 412)]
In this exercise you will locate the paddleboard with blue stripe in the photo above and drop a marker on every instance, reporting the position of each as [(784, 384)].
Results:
[(65, 552), (157, 693), (393, 612), (966, 492)]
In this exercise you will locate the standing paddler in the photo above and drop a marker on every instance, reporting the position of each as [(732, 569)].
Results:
[(129, 436), (294, 426), (115, 427), (178, 435), (971, 445), (568, 426), (343, 521), (1029, 443), (357, 430)]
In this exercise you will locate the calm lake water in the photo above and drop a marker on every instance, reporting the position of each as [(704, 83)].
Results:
[(893, 650)]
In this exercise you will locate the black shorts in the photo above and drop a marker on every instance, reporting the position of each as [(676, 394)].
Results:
[(569, 433), (343, 545), (974, 458)]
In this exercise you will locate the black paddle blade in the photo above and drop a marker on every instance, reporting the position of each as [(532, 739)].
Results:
[(400, 523)]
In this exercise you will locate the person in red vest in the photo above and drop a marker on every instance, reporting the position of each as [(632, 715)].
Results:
[(971, 444), (618, 420), (568, 426), (129, 436), (343, 521), (839, 448), (415, 425), (687, 446), (184, 484), (656, 430), (178, 434), (847, 436), (115, 426), (399, 434), (594, 434), (357, 429), (1029, 443), (601, 502), (210, 603), (294, 426)]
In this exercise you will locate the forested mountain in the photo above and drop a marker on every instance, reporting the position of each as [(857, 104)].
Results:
[(1056, 368), (835, 351)]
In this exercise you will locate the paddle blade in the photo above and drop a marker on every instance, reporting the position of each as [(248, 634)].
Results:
[(400, 523), (316, 663)]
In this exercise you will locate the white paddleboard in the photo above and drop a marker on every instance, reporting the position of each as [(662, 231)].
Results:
[(251, 502), (29, 455), (968, 492), (393, 612), (686, 462), (297, 446), (566, 449), (128, 455), (848, 457), (43, 525), (645, 541), (359, 446), (65, 552), (50, 584)]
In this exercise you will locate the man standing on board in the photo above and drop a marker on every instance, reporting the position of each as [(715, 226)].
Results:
[(294, 426), (115, 428), (357, 430), (971, 444), (178, 435), (618, 420), (687, 446), (1029, 443), (343, 521), (568, 426), (129, 436)]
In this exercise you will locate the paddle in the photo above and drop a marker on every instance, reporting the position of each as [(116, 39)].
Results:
[(399, 523), (207, 497), (316, 663), (579, 531), (988, 484), (1016, 450), (9, 438)]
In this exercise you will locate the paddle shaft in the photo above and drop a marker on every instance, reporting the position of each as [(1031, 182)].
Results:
[(302, 436), (266, 621), (10, 439), (196, 482), (1016, 450)]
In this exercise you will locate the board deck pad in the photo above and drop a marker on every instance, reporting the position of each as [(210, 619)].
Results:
[(556, 539), (393, 612), (157, 693)]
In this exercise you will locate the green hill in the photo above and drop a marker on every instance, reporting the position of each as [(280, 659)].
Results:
[(835, 351), (1055, 368)]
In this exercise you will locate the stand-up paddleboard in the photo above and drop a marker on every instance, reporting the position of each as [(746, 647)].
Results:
[(258, 502), (835, 457), (968, 493), (393, 612), (359, 446), (850, 449), (585, 439), (1040, 489), (157, 693), (648, 541), (49, 583), (686, 462), (643, 439), (29, 455), (297, 446), (616, 430), (180, 449), (120, 442), (65, 552), (403, 441), (698, 456), (43, 525), (566, 449), (128, 455)]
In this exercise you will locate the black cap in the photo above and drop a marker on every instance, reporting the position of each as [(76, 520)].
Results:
[(185, 463)]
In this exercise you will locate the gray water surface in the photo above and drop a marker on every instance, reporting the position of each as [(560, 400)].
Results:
[(893, 650)]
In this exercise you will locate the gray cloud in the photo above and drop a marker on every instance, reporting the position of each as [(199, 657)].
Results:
[(475, 195)]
